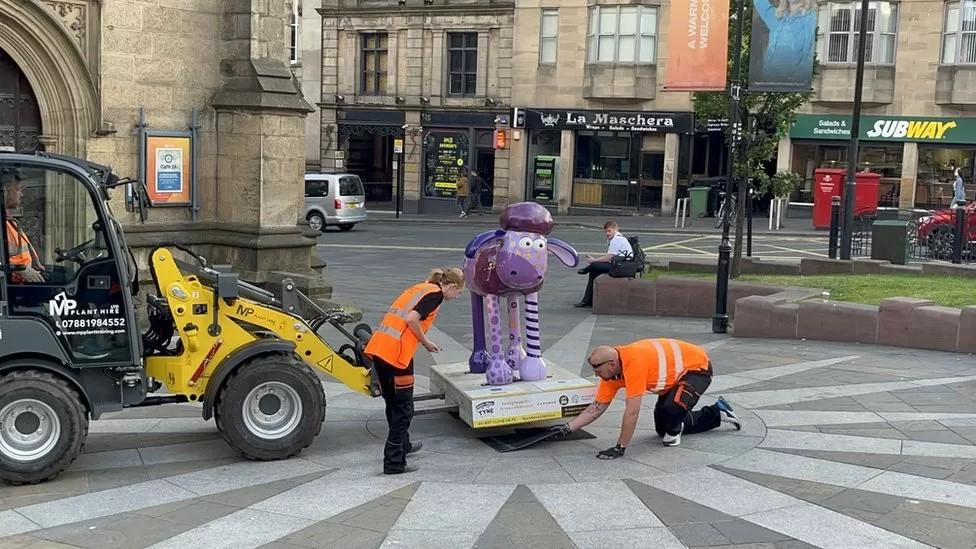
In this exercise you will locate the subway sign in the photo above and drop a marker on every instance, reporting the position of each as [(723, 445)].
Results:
[(886, 128)]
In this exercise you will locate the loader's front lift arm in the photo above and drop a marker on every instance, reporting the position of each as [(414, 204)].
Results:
[(240, 314)]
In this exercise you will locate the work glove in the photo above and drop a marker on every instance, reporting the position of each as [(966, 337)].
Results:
[(32, 275), (562, 430), (612, 453)]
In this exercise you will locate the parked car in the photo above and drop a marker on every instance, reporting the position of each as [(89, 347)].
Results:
[(334, 199), (936, 230)]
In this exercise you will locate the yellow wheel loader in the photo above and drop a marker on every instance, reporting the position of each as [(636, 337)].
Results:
[(71, 349)]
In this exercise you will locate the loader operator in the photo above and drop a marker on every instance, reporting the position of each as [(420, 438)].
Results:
[(20, 252), (392, 348), (678, 371)]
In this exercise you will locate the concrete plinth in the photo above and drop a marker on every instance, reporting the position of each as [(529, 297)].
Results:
[(562, 394)]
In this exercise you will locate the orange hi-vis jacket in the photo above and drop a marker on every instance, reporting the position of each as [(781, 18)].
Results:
[(18, 247), (654, 365), (394, 342)]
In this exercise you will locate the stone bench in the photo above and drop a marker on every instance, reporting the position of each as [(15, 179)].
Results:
[(902, 321), (667, 296)]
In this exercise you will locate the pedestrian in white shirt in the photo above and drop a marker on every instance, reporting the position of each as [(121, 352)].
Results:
[(617, 244)]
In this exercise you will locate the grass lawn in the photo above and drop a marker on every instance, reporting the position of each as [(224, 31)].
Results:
[(869, 289)]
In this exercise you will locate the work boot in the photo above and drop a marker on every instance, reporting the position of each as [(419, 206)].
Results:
[(407, 469), (726, 413), (414, 447), (673, 440)]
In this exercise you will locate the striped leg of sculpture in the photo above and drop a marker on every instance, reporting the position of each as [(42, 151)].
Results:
[(532, 367), (515, 353)]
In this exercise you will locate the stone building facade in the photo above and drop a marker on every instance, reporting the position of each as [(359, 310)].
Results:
[(580, 65), (89, 71), (919, 97), (435, 76)]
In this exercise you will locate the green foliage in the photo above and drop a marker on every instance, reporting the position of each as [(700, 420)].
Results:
[(782, 184)]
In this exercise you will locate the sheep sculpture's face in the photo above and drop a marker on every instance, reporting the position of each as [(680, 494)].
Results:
[(522, 260)]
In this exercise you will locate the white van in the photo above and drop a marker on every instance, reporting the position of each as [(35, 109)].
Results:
[(334, 199)]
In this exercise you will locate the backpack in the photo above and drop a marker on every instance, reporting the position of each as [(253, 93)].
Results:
[(639, 256)]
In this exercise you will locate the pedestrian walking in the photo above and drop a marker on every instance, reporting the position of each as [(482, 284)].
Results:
[(477, 185), (677, 371), (392, 348), (463, 188), (958, 187)]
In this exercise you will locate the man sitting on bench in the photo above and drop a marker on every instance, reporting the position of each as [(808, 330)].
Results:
[(617, 245)]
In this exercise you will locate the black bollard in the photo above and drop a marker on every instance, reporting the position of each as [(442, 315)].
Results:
[(834, 226), (959, 235)]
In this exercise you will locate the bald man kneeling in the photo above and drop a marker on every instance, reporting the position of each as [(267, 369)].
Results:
[(677, 371)]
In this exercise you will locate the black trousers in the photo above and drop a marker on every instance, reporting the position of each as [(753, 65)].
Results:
[(397, 386), (594, 269), (674, 408)]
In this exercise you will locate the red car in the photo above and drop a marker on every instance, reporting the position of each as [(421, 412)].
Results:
[(935, 231)]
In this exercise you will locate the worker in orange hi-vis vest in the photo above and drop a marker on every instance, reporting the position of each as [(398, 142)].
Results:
[(677, 371), (20, 253), (392, 346)]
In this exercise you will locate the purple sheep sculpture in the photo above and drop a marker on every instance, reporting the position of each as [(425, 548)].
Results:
[(510, 262)]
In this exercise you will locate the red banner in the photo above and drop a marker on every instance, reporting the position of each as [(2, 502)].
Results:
[(698, 42)]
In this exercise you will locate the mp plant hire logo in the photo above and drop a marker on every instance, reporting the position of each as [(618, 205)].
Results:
[(911, 129)]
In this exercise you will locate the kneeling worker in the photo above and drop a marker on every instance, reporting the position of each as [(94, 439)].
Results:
[(678, 371)]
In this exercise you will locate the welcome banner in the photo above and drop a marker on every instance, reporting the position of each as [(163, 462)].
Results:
[(781, 58), (698, 45)]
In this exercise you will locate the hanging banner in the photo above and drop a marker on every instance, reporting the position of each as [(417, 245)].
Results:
[(781, 59), (698, 56)]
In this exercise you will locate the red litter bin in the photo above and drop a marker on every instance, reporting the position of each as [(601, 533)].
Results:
[(867, 192), (829, 182)]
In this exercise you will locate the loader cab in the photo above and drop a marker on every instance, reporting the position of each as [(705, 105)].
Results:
[(67, 276)]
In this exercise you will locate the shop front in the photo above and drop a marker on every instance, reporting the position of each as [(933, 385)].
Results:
[(454, 142), (366, 149), (617, 159), (915, 156)]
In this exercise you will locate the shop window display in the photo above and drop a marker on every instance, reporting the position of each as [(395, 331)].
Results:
[(933, 189), (884, 160)]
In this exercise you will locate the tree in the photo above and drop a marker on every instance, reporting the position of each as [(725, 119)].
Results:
[(766, 118)]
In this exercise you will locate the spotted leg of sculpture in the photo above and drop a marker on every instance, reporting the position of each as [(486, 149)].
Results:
[(532, 367), (478, 362), (498, 372), (515, 352)]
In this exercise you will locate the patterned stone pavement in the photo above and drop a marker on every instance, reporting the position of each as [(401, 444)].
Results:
[(843, 446)]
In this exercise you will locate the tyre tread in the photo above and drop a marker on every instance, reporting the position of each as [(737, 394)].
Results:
[(33, 374), (296, 363)]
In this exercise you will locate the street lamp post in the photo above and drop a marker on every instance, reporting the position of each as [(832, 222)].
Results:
[(852, 152), (720, 321)]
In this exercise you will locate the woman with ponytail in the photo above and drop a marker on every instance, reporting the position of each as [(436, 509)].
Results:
[(392, 348)]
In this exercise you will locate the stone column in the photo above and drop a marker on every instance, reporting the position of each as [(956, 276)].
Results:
[(909, 176), (261, 142), (669, 190), (784, 155), (517, 158), (413, 146), (564, 183)]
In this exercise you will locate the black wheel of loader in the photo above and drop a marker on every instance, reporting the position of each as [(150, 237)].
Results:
[(271, 407), (43, 425)]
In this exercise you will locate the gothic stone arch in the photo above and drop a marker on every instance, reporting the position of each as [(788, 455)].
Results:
[(34, 36)]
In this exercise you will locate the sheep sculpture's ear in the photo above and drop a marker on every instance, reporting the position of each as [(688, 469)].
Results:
[(563, 251), (481, 240)]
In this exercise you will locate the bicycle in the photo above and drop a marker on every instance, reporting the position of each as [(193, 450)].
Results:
[(720, 214)]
